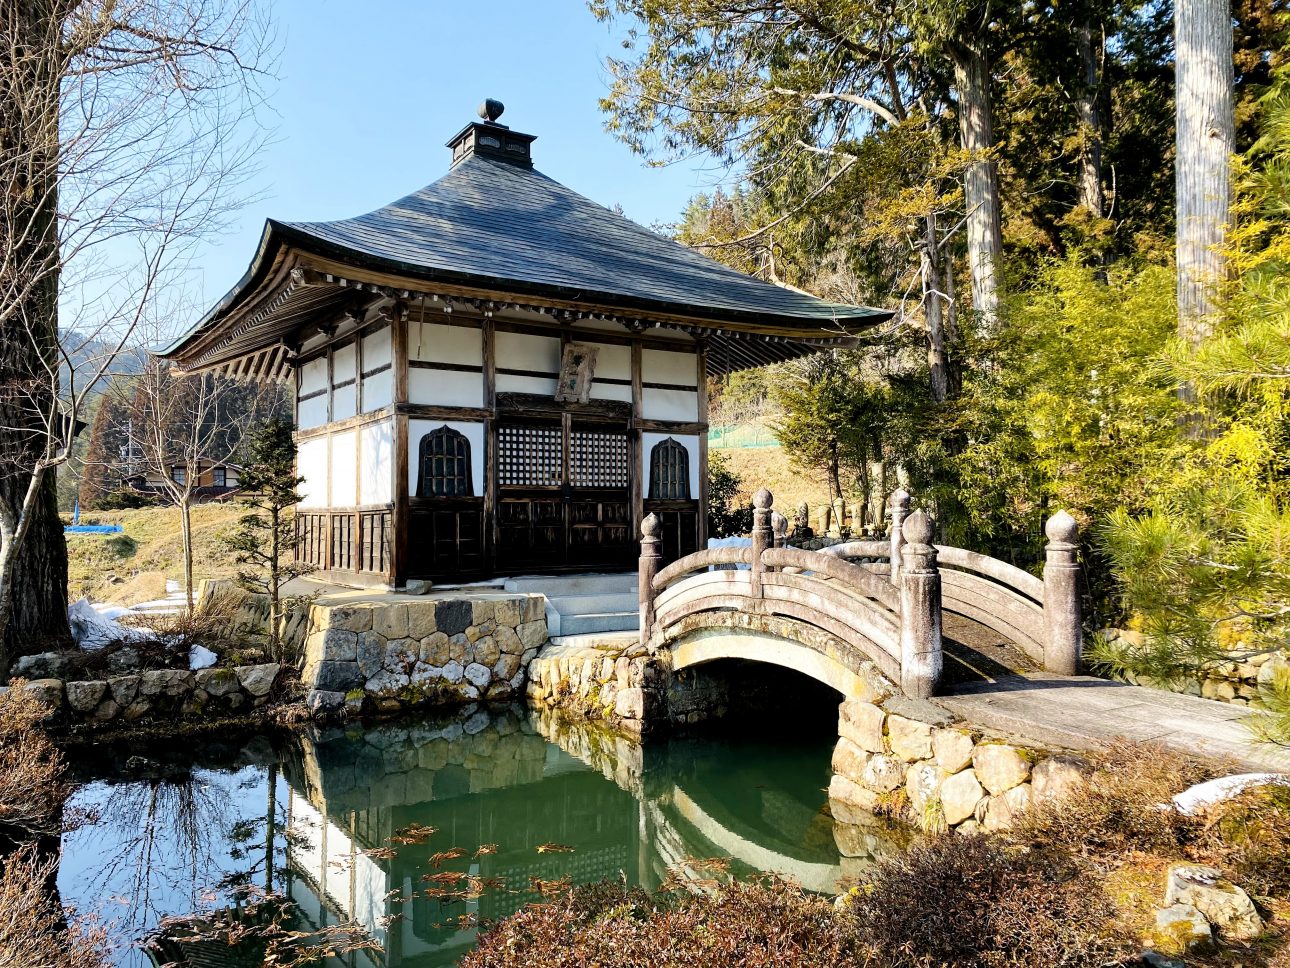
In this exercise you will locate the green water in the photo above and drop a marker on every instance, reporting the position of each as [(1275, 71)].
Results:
[(178, 827)]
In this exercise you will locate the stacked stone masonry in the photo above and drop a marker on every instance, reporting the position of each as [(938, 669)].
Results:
[(1247, 679), (159, 694), (384, 656), (914, 760)]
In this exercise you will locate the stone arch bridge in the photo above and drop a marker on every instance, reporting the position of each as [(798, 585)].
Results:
[(834, 614)]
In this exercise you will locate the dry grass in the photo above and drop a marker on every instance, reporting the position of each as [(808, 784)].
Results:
[(769, 467), (975, 901), (764, 924), (33, 784), (34, 932), (102, 566), (1118, 810)]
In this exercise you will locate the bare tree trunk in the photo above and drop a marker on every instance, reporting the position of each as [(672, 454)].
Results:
[(1090, 156), (933, 303), (275, 591), (186, 529), (980, 180), (1205, 140), (36, 595)]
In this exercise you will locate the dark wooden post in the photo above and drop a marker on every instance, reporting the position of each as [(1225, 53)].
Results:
[(899, 511), (651, 557), (762, 536), (920, 610), (1063, 626)]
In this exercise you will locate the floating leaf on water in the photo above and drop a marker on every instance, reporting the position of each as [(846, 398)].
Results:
[(381, 853), (554, 849), (486, 849), (452, 853)]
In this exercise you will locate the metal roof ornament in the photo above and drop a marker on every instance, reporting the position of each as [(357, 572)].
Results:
[(491, 109)]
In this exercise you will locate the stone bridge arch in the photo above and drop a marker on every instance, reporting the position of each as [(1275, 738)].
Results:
[(713, 636)]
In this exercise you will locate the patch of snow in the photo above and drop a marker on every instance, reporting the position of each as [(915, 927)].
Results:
[(200, 657), (92, 629), (1203, 795)]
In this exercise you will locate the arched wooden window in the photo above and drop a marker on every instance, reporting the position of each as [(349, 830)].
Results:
[(444, 469), (669, 471)]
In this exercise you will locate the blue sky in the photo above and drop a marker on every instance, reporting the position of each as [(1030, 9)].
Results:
[(368, 92)]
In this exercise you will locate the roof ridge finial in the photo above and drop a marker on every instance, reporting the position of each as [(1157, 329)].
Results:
[(491, 109)]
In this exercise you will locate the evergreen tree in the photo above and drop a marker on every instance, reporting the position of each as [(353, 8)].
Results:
[(265, 540)]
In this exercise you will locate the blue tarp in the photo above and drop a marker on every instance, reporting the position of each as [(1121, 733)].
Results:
[(92, 529)]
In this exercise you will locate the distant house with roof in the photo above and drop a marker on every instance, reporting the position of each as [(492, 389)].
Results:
[(495, 375)]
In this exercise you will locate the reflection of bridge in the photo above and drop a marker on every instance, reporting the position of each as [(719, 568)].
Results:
[(821, 614)]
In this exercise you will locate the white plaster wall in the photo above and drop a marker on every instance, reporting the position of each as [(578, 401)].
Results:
[(669, 404), (378, 348), (691, 444), (664, 366), (313, 376), (311, 464), (473, 432), (344, 453), (525, 351), (376, 454), (445, 388), (378, 391), (344, 362), (438, 343), (311, 413), (613, 362), (610, 391), (344, 402)]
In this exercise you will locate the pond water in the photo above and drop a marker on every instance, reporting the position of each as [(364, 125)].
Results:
[(516, 799)]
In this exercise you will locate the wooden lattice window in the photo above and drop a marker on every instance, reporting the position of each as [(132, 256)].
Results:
[(444, 468), (529, 456), (598, 459), (669, 471)]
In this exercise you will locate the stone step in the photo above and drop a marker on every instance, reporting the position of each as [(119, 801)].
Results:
[(588, 604), (558, 586), (594, 640), (595, 622)]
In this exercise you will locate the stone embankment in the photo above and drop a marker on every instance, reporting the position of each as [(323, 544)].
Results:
[(916, 761), (159, 695), (1247, 679), (384, 655)]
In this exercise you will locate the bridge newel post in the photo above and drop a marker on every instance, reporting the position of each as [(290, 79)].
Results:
[(651, 558), (920, 609), (762, 536), (779, 528), (899, 511), (1063, 624)]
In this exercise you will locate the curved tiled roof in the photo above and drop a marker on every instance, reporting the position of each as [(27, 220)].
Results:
[(494, 219)]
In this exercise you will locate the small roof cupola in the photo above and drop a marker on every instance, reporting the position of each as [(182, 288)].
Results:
[(489, 137)]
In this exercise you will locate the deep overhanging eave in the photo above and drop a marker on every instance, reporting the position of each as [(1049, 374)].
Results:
[(836, 329)]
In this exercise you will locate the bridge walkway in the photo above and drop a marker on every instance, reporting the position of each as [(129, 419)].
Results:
[(989, 682)]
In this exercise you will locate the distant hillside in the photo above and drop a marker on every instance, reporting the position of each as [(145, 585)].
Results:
[(87, 355)]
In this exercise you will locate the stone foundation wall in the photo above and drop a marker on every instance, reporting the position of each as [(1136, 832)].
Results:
[(159, 694), (621, 685), (386, 655), (915, 761), (1246, 680)]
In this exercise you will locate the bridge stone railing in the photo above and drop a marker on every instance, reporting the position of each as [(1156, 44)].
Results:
[(900, 629), (890, 605)]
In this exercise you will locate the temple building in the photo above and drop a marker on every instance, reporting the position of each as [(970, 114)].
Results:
[(495, 375)]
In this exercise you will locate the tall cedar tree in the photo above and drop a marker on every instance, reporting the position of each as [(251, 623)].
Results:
[(265, 540)]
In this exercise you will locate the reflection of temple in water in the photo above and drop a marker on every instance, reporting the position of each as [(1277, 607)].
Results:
[(518, 780), (473, 781)]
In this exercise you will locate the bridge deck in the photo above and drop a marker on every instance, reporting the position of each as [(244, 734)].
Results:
[(990, 683), (1084, 713)]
